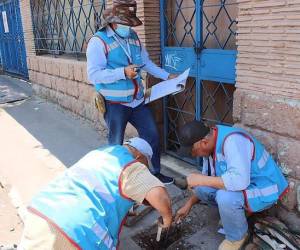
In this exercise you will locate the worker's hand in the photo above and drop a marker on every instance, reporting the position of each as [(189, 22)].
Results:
[(130, 71), (171, 76), (167, 221), (194, 180), (182, 213)]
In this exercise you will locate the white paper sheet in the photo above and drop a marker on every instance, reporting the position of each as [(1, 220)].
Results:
[(164, 88)]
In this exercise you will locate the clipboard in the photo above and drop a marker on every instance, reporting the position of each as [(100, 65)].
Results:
[(168, 87)]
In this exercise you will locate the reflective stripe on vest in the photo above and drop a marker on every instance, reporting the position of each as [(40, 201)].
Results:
[(267, 182), (86, 201), (124, 90)]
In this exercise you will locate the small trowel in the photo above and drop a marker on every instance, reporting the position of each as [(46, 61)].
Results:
[(159, 228)]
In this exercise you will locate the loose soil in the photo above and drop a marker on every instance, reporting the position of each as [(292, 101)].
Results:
[(175, 238)]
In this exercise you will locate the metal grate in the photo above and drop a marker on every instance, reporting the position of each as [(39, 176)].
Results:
[(219, 24), (204, 24), (64, 26)]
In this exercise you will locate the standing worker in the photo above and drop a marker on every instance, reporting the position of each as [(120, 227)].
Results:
[(115, 57), (86, 206), (238, 174)]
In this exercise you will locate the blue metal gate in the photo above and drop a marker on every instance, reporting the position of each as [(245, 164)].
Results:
[(199, 34), (12, 47)]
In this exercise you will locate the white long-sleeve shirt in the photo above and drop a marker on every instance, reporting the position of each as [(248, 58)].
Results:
[(97, 62), (238, 152)]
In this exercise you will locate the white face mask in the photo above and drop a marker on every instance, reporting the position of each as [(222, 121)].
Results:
[(123, 30)]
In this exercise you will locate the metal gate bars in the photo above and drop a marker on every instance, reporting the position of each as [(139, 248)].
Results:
[(64, 26), (199, 34), (12, 47)]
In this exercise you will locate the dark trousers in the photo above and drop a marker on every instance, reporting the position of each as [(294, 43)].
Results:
[(117, 116)]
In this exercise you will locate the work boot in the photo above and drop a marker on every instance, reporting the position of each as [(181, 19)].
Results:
[(233, 245)]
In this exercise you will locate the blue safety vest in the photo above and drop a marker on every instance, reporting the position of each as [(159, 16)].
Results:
[(86, 203), (122, 90), (267, 182)]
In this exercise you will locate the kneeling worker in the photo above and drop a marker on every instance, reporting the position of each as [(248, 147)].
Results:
[(238, 174), (86, 206)]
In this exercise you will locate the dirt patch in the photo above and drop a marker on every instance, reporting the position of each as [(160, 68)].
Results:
[(175, 238)]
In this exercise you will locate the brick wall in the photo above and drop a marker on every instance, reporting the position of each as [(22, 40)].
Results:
[(64, 81), (267, 99), (27, 27)]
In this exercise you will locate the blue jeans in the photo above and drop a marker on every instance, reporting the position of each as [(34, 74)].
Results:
[(117, 116), (231, 210)]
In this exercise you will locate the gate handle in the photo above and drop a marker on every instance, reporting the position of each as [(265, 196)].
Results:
[(199, 47)]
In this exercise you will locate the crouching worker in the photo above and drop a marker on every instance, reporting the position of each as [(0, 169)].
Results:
[(238, 175), (86, 206)]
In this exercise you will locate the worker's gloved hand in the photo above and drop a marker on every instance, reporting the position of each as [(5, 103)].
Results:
[(182, 213), (131, 71)]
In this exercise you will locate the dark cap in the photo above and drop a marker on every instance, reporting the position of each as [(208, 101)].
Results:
[(122, 12), (190, 133)]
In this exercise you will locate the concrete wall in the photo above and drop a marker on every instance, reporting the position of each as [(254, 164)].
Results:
[(267, 99)]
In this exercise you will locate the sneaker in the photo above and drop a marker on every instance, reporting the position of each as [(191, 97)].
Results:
[(164, 179), (233, 245)]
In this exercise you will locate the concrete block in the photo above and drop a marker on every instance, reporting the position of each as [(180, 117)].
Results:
[(53, 95), (78, 72), (63, 69), (33, 63), (86, 92), (53, 82), (288, 156), (72, 88), (40, 78), (66, 101), (47, 80), (92, 113), (71, 71), (41, 64), (32, 75), (272, 114), (298, 198), (61, 85), (84, 74), (49, 66), (237, 105), (55, 68), (269, 140)]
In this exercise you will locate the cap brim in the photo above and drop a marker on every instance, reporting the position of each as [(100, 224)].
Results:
[(129, 21), (136, 21), (185, 151)]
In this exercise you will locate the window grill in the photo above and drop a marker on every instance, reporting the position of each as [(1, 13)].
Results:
[(64, 26)]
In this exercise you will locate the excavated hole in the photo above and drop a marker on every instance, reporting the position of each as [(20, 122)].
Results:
[(172, 240)]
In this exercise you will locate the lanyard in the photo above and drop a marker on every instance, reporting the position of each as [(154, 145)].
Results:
[(127, 51)]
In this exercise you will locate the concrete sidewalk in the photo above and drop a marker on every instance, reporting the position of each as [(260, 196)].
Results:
[(39, 140)]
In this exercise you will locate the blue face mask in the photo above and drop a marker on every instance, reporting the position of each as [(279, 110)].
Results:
[(123, 30)]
